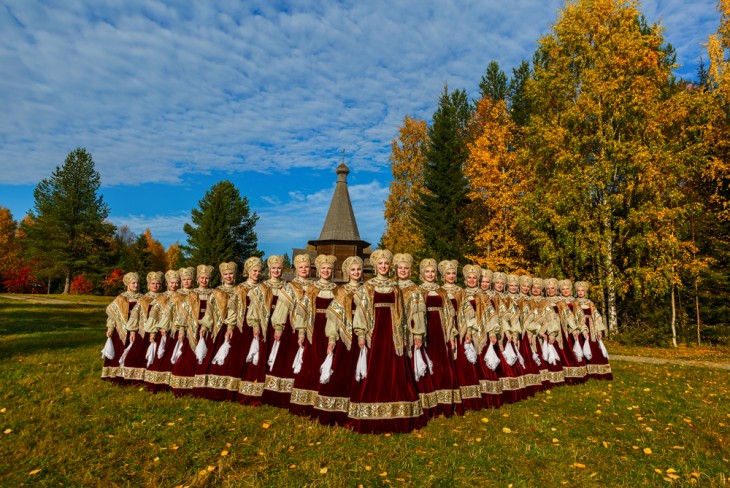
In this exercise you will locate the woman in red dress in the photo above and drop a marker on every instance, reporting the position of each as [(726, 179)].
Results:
[(333, 395), (194, 322), (118, 337), (563, 322), (573, 331), (312, 336), (280, 379), (161, 333), (468, 373), (135, 363), (597, 366), (510, 375), (440, 384), (386, 399), (489, 380)]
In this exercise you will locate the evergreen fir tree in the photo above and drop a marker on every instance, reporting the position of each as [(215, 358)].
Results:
[(442, 208), (494, 83), (67, 228), (222, 228), (519, 102)]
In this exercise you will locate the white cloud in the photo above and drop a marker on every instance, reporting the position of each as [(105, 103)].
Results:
[(157, 91)]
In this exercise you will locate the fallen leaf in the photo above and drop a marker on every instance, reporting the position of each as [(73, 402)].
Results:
[(671, 470), (635, 448), (667, 478), (598, 412), (579, 465), (479, 439), (170, 424), (34, 472), (387, 434), (658, 471), (7, 431), (673, 476), (605, 444), (211, 468), (292, 466), (485, 419), (384, 473), (555, 441), (368, 468), (156, 460), (506, 430), (224, 453), (695, 474), (647, 450), (174, 447), (323, 470), (228, 444), (266, 426), (3, 410)]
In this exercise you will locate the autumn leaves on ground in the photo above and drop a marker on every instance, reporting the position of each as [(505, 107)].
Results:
[(654, 424)]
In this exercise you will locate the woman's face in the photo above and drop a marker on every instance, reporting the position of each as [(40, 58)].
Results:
[(486, 283), (429, 274), (514, 287), (325, 271), (275, 270), (382, 267), (254, 274), (354, 273), (187, 282), (173, 285), (450, 276), (303, 270), (404, 271), (229, 277), (133, 286), (565, 291), (499, 285), (525, 288), (471, 280), (551, 290), (536, 290), (154, 286), (581, 292), (203, 280)]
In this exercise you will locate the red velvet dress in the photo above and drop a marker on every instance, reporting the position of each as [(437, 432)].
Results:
[(135, 364), (158, 373), (490, 387), (280, 378), (598, 366), (443, 382), (575, 371), (510, 377), (182, 376), (467, 374), (387, 399), (333, 397), (110, 369), (306, 382)]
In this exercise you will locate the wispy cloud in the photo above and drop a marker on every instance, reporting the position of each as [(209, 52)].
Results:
[(157, 90)]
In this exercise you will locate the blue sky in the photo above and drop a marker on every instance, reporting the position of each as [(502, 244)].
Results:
[(171, 97)]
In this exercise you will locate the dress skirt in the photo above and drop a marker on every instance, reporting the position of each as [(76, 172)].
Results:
[(157, 376), (333, 398), (182, 375), (598, 367), (387, 399), (135, 364), (511, 378), (306, 382), (280, 378), (575, 371), (533, 380), (490, 384), (110, 369), (222, 381)]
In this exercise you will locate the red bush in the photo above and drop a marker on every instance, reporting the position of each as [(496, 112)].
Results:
[(114, 282), (81, 285), (19, 280)]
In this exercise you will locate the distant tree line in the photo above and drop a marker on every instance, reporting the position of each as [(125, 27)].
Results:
[(592, 161), (67, 244)]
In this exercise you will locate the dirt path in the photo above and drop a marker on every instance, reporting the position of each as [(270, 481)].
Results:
[(679, 362), (50, 301)]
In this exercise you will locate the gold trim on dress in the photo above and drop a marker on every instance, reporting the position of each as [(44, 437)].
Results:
[(385, 411)]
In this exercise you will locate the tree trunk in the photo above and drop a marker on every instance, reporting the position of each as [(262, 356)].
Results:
[(48, 291), (610, 278), (67, 284), (697, 309), (674, 320)]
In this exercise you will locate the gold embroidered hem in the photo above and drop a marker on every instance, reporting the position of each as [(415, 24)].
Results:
[(109, 372), (490, 387), (250, 388), (512, 384), (385, 411), (221, 382), (544, 375), (598, 369), (428, 400), (556, 377), (279, 385), (131, 374), (182, 382), (332, 404), (448, 397), (575, 372), (303, 397), (533, 379), (157, 377), (471, 391), (199, 381)]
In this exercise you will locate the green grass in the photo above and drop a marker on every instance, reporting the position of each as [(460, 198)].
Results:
[(64, 426)]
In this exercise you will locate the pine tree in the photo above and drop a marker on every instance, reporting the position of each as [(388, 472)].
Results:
[(519, 103), (494, 83), (441, 212), (68, 223), (222, 228)]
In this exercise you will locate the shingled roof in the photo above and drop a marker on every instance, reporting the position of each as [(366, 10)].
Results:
[(340, 224)]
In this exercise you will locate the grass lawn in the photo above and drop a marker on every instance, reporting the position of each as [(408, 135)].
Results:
[(653, 425)]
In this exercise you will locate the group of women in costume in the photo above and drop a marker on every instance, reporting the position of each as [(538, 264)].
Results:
[(380, 356)]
